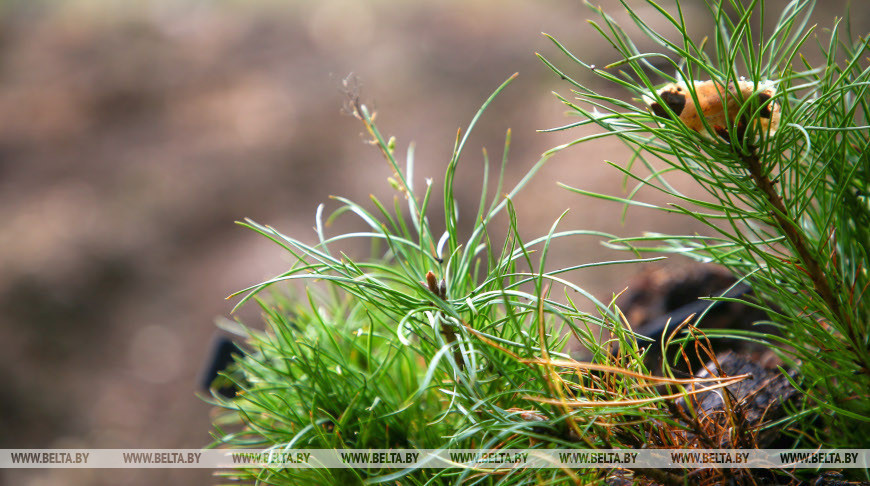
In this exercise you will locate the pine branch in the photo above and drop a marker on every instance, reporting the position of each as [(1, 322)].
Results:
[(794, 236)]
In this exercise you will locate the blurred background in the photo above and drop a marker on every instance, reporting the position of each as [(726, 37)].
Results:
[(133, 135)]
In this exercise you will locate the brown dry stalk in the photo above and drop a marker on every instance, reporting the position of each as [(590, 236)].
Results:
[(565, 363), (640, 401), (815, 271)]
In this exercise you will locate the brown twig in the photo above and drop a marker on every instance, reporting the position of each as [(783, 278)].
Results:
[(813, 268), (815, 271)]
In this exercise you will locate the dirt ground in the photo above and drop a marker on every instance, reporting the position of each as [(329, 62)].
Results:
[(132, 136)]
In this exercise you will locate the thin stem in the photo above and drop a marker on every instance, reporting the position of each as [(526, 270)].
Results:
[(789, 229)]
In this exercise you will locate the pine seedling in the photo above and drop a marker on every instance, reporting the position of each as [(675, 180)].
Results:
[(786, 176)]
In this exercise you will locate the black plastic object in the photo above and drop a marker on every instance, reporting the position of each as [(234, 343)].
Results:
[(220, 358)]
